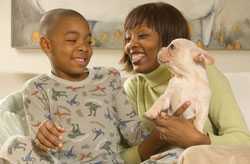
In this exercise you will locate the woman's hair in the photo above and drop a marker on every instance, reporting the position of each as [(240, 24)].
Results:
[(163, 18)]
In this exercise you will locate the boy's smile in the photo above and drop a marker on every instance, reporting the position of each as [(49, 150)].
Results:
[(69, 48)]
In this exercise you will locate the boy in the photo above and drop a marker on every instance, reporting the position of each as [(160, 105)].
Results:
[(89, 105)]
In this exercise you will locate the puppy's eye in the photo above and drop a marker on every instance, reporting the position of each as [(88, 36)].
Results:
[(172, 46)]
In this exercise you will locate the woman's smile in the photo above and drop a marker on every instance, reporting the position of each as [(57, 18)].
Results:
[(137, 57)]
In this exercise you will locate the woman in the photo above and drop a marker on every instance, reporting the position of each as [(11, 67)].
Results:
[(147, 28)]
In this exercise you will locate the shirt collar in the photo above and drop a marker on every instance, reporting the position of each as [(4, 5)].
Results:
[(159, 76)]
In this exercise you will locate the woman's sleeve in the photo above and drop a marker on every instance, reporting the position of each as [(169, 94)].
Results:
[(224, 113)]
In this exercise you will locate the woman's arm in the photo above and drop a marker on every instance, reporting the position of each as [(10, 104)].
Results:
[(154, 142), (227, 125), (225, 115), (178, 131)]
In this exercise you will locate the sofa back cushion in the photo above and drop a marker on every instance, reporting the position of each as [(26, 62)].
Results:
[(11, 82)]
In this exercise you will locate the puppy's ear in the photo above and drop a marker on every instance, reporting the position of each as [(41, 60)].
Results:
[(163, 55), (202, 57)]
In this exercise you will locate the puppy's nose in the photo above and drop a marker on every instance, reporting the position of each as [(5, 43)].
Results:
[(172, 46)]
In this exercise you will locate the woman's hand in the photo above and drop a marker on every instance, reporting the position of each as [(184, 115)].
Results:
[(178, 131), (49, 136)]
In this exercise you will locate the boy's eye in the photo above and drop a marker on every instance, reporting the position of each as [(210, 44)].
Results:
[(90, 42)]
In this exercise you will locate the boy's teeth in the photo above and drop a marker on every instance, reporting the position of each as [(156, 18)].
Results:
[(80, 60)]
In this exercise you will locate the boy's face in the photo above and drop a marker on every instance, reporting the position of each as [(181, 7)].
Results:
[(69, 48)]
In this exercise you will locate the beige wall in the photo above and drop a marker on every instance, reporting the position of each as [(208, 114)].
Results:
[(33, 61)]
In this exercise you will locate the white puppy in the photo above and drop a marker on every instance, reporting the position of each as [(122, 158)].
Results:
[(186, 62)]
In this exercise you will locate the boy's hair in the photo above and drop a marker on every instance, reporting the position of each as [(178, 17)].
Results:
[(51, 18), (163, 18)]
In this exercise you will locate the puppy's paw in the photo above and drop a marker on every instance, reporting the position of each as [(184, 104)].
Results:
[(150, 115)]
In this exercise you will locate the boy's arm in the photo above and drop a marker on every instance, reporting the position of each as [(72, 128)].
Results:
[(125, 112), (40, 106), (136, 133), (36, 107), (131, 154), (129, 123)]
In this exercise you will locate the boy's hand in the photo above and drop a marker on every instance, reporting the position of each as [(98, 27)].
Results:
[(49, 136)]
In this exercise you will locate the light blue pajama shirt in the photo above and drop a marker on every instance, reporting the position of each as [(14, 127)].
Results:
[(95, 113)]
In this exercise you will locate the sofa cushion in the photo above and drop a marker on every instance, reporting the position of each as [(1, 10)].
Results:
[(12, 119), (11, 82)]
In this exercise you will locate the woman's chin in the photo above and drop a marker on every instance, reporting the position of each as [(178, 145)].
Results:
[(139, 69), (142, 68)]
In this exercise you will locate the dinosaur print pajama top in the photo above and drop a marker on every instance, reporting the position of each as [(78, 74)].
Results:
[(95, 113)]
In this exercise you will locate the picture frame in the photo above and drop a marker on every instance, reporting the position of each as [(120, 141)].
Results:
[(214, 24)]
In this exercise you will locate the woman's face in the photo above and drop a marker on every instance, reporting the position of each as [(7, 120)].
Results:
[(142, 45)]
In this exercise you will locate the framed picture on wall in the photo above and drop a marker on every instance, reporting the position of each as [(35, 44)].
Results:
[(214, 24)]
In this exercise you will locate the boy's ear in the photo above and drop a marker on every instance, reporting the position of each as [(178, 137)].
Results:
[(202, 57), (45, 45)]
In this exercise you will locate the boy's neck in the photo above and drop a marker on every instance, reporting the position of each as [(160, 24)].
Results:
[(72, 77)]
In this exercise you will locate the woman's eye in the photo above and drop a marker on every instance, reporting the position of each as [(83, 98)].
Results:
[(143, 35), (71, 40)]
